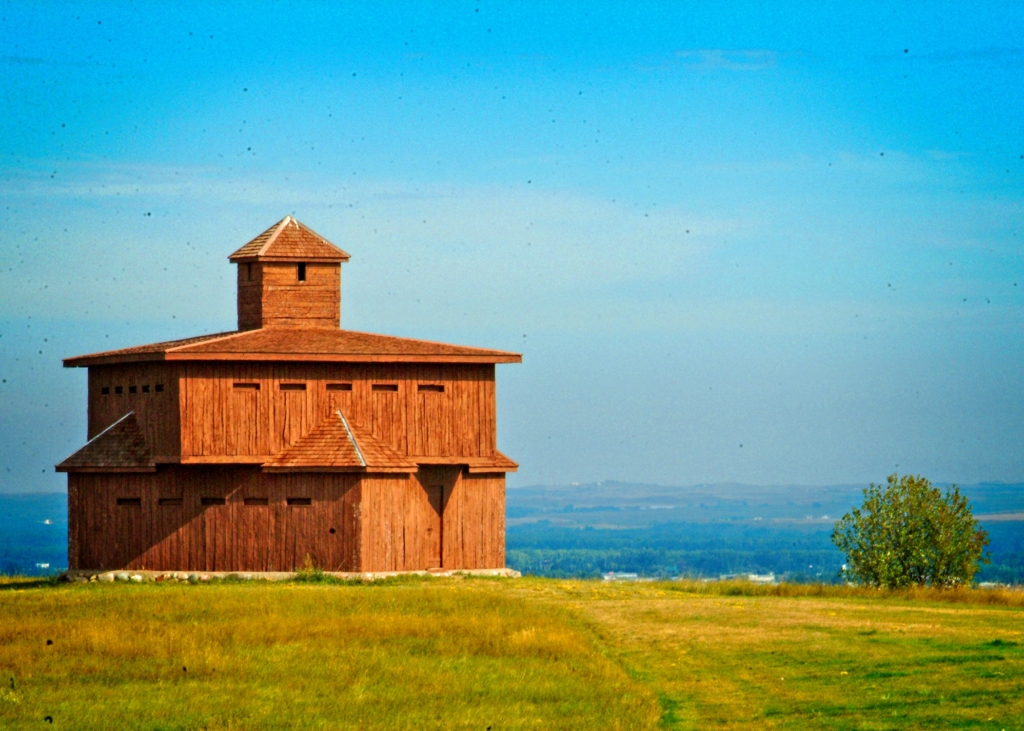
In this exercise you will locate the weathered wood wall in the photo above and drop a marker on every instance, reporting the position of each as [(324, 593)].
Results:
[(274, 296), (158, 412), (474, 522), (379, 522), (186, 534), (219, 419), (403, 531)]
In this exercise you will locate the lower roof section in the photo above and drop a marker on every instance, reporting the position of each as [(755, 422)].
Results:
[(334, 445)]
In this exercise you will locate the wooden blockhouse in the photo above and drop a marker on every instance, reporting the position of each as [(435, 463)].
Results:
[(249, 450)]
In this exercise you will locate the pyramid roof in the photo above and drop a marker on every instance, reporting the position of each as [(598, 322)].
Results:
[(121, 447), (336, 444), (289, 240)]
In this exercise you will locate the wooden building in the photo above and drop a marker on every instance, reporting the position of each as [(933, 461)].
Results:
[(249, 450)]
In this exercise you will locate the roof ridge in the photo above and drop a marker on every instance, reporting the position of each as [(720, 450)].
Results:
[(217, 337), (130, 413), (281, 225), (351, 437)]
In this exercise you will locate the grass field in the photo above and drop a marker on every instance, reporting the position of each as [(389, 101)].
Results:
[(502, 654)]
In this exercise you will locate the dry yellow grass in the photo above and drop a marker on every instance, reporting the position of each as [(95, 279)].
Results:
[(416, 654), (529, 653)]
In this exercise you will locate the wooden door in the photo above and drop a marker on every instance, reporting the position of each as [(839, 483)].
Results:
[(435, 526)]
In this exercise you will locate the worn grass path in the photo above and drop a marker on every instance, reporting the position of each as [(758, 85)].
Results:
[(503, 654)]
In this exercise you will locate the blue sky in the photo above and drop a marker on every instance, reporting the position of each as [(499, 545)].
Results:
[(748, 244)]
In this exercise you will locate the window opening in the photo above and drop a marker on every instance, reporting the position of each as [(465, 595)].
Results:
[(132, 389), (105, 390), (213, 501), (118, 390), (385, 387), (145, 388), (430, 388), (302, 272), (257, 501), (170, 501), (300, 501), (129, 502), (248, 271), (248, 386), (332, 531), (159, 388), (339, 386), (293, 386)]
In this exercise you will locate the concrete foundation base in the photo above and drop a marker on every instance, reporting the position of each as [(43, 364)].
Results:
[(85, 575)]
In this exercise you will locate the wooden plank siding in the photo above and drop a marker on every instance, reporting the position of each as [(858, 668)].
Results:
[(197, 537), (380, 522), (275, 297), (158, 413), (219, 419)]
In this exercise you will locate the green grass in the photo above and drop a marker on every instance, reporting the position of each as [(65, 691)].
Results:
[(527, 653)]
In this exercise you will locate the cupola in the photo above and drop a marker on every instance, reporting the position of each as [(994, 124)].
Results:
[(289, 276)]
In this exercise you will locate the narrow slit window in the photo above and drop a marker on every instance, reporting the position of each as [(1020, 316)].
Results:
[(339, 386), (300, 501), (248, 271), (430, 388), (247, 386), (302, 272), (118, 390), (133, 389), (170, 502), (159, 388), (145, 388), (105, 390), (213, 501), (257, 501), (385, 387), (293, 386), (129, 502)]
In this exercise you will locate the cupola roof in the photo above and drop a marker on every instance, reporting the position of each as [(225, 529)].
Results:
[(289, 240)]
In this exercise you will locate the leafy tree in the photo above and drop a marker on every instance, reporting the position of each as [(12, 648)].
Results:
[(908, 533)]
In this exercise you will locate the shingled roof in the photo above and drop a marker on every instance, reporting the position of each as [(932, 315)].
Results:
[(338, 445), (121, 447), (289, 240), (310, 344)]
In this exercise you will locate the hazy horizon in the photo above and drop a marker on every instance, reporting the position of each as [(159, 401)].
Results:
[(748, 244)]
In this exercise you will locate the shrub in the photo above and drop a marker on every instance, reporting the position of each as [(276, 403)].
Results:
[(909, 533)]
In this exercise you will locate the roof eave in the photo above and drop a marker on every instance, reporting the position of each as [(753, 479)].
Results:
[(82, 361), (252, 258)]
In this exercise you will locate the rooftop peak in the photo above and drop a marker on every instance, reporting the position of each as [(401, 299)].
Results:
[(288, 240)]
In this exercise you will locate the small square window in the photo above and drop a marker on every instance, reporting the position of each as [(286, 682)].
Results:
[(159, 388), (145, 388), (118, 390), (133, 389), (105, 390)]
